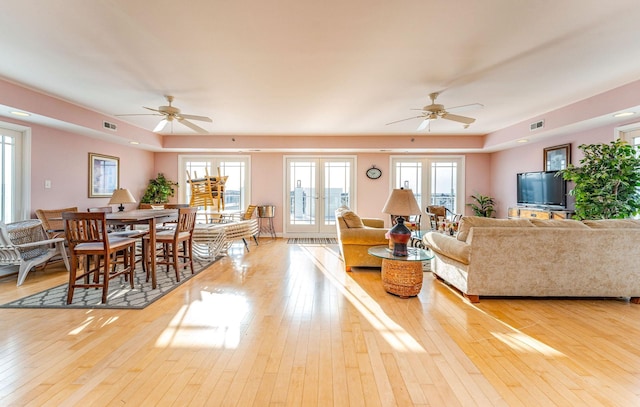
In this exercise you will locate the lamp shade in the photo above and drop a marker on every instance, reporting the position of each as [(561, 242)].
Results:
[(402, 202), (121, 196)]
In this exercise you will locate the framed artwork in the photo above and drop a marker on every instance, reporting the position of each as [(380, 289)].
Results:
[(557, 157), (104, 175)]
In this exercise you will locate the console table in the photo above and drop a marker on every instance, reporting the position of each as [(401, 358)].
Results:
[(401, 276), (538, 213)]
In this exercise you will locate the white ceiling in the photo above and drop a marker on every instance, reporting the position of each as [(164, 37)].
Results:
[(321, 67)]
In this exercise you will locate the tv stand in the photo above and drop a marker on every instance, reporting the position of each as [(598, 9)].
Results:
[(526, 212)]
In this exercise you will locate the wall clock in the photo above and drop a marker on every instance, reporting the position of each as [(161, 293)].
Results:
[(374, 173)]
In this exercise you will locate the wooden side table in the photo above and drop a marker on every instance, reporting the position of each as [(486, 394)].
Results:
[(401, 276)]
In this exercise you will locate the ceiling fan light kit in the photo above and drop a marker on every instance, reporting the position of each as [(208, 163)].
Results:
[(170, 113), (437, 111)]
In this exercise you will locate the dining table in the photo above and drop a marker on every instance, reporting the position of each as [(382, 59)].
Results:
[(151, 217)]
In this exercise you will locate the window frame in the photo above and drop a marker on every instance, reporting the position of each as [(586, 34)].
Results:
[(21, 171), (214, 161), (424, 194)]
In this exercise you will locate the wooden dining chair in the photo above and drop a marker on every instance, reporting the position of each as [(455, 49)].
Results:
[(88, 239), (176, 245)]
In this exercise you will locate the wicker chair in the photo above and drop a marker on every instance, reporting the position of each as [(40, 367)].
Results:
[(25, 244), (52, 220)]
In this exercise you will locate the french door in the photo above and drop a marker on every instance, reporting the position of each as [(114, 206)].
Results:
[(314, 188), (434, 180), (237, 195)]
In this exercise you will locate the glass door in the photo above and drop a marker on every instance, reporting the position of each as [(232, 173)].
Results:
[(437, 180), (316, 187)]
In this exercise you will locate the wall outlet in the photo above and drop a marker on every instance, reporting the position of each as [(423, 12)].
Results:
[(47, 183)]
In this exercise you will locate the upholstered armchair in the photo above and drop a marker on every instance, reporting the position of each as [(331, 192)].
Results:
[(356, 235)]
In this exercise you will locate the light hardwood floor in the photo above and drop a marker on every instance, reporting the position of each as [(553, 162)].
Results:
[(285, 325)]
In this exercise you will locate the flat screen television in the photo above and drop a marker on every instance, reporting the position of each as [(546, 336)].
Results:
[(542, 188)]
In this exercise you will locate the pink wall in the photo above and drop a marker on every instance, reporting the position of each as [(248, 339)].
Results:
[(63, 158), (529, 157), (478, 177), (267, 180)]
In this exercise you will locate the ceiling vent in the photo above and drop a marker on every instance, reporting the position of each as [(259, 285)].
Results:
[(110, 126), (536, 125)]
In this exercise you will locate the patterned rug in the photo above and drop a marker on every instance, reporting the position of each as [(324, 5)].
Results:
[(312, 240), (121, 295)]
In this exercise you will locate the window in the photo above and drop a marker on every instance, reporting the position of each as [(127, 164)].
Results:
[(444, 185), (11, 174), (433, 180), (236, 168)]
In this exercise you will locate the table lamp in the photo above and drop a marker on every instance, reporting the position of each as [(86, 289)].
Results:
[(121, 196), (401, 203)]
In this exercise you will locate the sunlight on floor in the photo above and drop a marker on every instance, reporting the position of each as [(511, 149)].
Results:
[(92, 320), (393, 333), (524, 343), (81, 327), (515, 338), (215, 321)]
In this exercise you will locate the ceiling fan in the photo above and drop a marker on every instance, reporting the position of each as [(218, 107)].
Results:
[(435, 111), (172, 113)]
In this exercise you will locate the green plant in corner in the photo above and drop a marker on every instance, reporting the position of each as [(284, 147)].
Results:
[(483, 205), (607, 181), (159, 190)]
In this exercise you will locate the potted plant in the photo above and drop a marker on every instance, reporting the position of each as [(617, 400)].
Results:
[(159, 190), (483, 205), (606, 182)]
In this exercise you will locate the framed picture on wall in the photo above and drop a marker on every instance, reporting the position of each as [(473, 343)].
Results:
[(557, 157), (104, 175)]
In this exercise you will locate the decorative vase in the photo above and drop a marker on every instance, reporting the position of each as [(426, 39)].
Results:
[(400, 235)]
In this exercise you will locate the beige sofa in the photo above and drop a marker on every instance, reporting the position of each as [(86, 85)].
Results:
[(356, 235), (540, 258)]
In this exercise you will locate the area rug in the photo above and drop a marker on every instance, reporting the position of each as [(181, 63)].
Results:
[(312, 240), (121, 295)]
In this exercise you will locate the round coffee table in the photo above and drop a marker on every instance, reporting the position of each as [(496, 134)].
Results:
[(401, 276)]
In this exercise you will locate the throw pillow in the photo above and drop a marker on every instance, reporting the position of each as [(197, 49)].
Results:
[(467, 222), (352, 220)]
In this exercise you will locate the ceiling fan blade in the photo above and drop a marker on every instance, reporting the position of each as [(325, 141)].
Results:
[(199, 118), (161, 125), (456, 118), (192, 126), (139, 114), (402, 120), (424, 124), (465, 108), (153, 110)]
